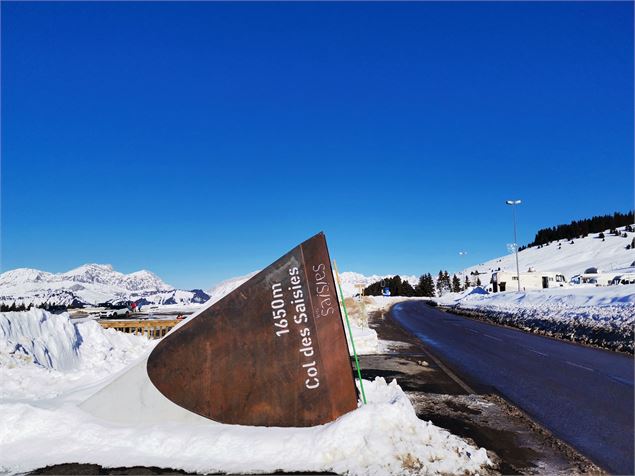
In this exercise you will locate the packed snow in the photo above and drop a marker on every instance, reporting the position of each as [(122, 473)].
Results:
[(596, 315), (43, 355), (50, 364)]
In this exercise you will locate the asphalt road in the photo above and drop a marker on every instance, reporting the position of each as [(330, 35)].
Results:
[(581, 394)]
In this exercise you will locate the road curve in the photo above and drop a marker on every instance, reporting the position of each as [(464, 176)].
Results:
[(581, 394)]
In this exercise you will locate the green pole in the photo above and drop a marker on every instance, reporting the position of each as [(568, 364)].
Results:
[(350, 333)]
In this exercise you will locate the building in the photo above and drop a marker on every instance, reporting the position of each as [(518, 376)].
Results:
[(507, 281)]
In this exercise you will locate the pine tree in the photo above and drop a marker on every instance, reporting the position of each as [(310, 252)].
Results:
[(433, 292), (478, 281), (395, 284), (456, 284), (420, 288), (466, 285), (425, 287), (406, 289), (440, 285)]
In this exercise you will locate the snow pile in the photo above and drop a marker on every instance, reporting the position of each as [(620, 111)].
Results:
[(602, 316), (366, 339), (41, 426), (45, 339), (43, 354), (383, 437)]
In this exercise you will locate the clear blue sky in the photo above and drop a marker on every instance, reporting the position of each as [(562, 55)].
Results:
[(203, 140)]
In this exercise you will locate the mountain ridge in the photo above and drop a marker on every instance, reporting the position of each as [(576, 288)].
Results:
[(90, 283)]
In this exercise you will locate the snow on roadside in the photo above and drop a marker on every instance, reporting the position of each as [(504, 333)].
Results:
[(366, 339), (42, 426), (43, 355), (383, 437), (601, 316)]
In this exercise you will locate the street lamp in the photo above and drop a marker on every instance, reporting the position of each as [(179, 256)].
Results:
[(513, 203)]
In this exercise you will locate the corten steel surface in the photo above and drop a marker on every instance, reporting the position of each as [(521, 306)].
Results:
[(236, 362)]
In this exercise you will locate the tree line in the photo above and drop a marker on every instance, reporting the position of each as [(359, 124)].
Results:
[(426, 287), (581, 228), (23, 307)]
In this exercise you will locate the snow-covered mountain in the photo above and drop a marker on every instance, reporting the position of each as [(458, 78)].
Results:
[(225, 287), (570, 257), (90, 284)]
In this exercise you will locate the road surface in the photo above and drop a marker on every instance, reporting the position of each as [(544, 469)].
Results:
[(581, 394)]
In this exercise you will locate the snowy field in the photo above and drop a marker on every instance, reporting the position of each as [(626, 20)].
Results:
[(569, 257), (600, 316), (48, 365)]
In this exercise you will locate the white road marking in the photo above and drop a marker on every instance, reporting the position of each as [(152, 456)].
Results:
[(536, 352), (578, 365), (492, 337)]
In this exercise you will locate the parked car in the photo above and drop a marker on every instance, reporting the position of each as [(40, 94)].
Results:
[(628, 278), (115, 310)]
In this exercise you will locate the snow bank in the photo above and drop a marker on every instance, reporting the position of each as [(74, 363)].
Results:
[(40, 426), (602, 316), (43, 354), (383, 437), (49, 341), (366, 339)]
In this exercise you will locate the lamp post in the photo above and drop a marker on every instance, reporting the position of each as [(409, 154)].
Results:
[(513, 204)]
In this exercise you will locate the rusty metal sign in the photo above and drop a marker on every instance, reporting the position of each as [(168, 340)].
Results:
[(271, 353)]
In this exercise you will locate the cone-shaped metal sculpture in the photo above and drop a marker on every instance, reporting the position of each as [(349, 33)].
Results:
[(272, 352)]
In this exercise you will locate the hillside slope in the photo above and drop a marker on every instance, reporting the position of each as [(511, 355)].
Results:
[(569, 258)]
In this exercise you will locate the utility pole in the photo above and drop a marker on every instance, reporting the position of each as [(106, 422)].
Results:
[(513, 204)]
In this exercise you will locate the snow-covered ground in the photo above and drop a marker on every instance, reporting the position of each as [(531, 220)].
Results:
[(44, 355), (366, 339), (50, 364), (602, 316), (564, 257)]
